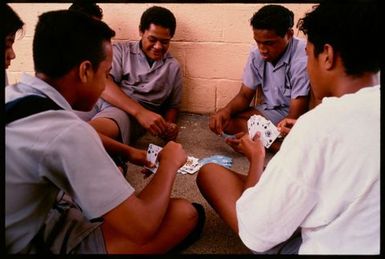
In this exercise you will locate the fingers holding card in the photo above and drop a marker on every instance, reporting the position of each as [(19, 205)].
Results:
[(267, 129), (152, 155)]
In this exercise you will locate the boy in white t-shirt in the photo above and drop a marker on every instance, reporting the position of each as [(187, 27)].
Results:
[(320, 194)]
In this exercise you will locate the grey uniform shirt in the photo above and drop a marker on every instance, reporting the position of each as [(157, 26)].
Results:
[(158, 87), (51, 151)]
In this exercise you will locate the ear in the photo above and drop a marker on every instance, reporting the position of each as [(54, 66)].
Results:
[(85, 71), (329, 57), (290, 33)]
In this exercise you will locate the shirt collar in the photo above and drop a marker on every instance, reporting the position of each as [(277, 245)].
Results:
[(40, 86), (139, 51), (285, 59)]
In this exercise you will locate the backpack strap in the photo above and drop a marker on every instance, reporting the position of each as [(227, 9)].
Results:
[(27, 106)]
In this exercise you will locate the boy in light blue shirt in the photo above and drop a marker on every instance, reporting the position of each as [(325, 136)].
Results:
[(277, 68)]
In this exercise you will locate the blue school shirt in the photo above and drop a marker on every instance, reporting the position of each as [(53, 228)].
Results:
[(287, 80)]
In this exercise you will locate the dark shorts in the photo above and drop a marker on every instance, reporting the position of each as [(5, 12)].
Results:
[(289, 247)]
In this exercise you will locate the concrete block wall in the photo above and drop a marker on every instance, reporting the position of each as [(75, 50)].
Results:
[(212, 42)]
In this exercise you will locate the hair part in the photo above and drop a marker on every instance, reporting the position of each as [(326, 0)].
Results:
[(352, 29), (63, 39), (273, 17), (159, 16)]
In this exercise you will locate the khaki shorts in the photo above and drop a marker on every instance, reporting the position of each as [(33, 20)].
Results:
[(129, 128), (67, 231)]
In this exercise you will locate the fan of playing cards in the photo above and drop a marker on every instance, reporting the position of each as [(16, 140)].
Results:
[(192, 165), (267, 129)]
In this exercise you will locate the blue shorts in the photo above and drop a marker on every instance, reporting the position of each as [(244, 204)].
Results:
[(274, 115)]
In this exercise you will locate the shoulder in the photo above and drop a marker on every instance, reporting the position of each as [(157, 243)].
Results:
[(64, 124), (255, 57), (123, 46), (171, 62), (298, 51)]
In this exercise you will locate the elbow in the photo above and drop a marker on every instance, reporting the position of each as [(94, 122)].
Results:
[(144, 235)]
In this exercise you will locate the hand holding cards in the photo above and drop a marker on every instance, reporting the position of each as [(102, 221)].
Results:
[(267, 129), (152, 154), (192, 164), (190, 167)]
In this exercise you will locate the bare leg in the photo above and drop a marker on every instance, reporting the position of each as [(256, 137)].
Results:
[(221, 187), (180, 219), (106, 126)]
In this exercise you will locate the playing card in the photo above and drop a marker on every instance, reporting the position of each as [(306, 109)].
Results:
[(152, 154), (191, 166), (269, 133), (253, 125), (267, 129), (217, 159), (227, 136)]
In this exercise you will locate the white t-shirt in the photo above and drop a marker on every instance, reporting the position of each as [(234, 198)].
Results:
[(48, 152), (325, 179)]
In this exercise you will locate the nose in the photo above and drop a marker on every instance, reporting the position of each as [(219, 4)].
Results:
[(158, 45), (262, 49), (10, 54)]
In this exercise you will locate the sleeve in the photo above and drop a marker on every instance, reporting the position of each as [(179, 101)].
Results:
[(117, 62), (80, 166), (270, 212), (251, 73), (299, 78), (175, 98)]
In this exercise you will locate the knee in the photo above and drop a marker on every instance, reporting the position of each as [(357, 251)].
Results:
[(185, 209), (206, 174)]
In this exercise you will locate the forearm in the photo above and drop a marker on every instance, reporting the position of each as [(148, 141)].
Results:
[(254, 174), (111, 145), (115, 96), (156, 194), (298, 106), (241, 101)]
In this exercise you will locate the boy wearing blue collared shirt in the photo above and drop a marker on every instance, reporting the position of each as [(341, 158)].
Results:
[(277, 68)]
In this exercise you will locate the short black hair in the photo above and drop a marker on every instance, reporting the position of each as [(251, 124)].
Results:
[(273, 17), (63, 39), (12, 22), (88, 7), (159, 16), (352, 29)]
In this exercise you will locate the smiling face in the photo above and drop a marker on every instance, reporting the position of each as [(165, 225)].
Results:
[(155, 41), (271, 46), (9, 52)]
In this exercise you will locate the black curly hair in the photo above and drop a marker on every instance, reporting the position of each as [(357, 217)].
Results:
[(273, 17), (159, 16), (352, 29)]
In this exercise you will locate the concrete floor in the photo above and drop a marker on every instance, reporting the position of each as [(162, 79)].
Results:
[(200, 142)]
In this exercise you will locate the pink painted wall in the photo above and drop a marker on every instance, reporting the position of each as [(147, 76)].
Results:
[(212, 42)]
